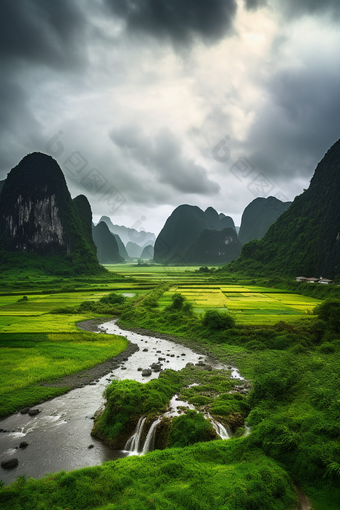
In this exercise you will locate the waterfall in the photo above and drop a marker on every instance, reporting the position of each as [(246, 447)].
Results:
[(149, 444), (133, 444), (219, 428)]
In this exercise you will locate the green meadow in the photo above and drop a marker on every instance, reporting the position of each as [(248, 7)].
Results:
[(37, 345), (27, 359)]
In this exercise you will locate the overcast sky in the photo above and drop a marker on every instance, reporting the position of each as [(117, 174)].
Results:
[(149, 104)]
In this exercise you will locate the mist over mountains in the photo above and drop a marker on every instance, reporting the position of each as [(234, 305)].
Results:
[(140, 237)]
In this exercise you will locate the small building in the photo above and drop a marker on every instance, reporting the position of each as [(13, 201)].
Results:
[(301, 279), (325, 281), (313, 280)]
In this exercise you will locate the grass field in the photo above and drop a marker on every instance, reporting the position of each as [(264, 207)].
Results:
[(36, 345), (40, 304), (27, 359), (249, 305)]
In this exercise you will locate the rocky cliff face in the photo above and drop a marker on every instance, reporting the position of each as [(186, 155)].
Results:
[(38, 216), (35, 226), (1, 186), (34, 199)]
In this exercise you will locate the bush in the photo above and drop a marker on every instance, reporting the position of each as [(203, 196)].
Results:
[(272, 386), (327, 348), (329, 311), (298, 349), (112, 299), (179, 304), (213, 319), (318, 330), (281, 342), (255, 345), (189, 429)]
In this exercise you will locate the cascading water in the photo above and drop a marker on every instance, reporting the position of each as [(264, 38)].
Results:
[(219, 428), (133, 444), (149, 444)]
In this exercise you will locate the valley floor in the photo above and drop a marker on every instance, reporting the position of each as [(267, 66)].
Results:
[(294, 404)]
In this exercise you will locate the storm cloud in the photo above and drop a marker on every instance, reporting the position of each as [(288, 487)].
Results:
[(41, 32), (177, 20), (163, 157), (144, 90)]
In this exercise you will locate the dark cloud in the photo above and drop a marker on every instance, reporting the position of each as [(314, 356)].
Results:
[(177, 20), (297, 124), (255, 4), (17, 127), (295, 8), (41, 31), (163, 158)]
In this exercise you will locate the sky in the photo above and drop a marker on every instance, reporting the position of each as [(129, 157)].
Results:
[(150, 104)]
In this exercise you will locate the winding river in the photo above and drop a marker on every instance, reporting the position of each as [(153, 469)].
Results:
[(59, 437)]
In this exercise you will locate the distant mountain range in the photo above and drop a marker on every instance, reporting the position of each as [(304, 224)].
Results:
[(131, 235), (147, 253), (305, 239), (38, 218)]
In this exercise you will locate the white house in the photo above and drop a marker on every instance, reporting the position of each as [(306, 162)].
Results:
[(325, 281)]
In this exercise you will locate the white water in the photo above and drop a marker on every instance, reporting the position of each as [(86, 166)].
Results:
[(133, 444), (149, 444), (219, 428)]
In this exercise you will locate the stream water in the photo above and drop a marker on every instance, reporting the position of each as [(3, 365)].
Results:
[(59, 437)]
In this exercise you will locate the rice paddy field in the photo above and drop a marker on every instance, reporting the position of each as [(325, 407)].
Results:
[(249, 305), (153, 274)]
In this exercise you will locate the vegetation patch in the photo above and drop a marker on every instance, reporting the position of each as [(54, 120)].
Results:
[(206, 476), (27, 359)]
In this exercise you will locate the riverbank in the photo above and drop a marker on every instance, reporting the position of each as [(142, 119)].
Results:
[(36, 367), (89, 376), (192, 344)]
